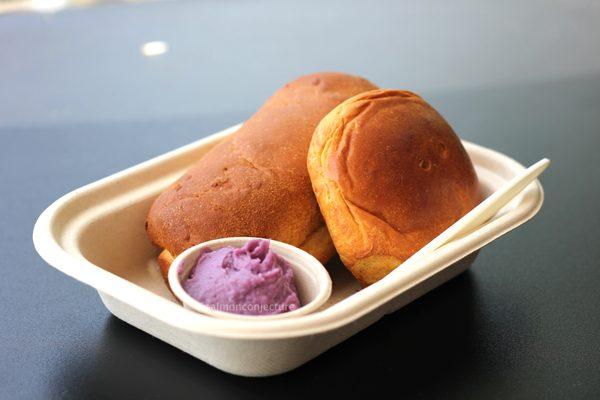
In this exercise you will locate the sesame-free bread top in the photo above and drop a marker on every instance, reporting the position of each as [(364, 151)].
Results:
[(390, 175), (255, 182)]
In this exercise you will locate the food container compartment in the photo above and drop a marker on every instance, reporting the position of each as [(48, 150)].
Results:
[(96, 235)]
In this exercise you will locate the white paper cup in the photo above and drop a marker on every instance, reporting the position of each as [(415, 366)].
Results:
[(310, 276)]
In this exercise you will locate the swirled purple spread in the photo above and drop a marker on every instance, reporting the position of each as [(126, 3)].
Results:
[(252, 280)]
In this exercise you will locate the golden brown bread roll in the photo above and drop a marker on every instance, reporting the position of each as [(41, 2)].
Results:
[(390, 175), (255, 182)]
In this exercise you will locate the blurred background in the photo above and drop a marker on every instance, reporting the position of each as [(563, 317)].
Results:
[(87, 61), (88, 88)]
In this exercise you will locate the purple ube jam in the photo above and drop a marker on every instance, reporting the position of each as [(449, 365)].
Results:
[(252, 280)]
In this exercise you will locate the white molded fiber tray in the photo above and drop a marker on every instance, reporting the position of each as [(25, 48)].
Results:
[(96, 235)]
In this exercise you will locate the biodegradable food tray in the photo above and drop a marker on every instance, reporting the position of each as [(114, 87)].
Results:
[(96, 235)]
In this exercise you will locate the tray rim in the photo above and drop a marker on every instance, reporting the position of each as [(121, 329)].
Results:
[(349, 309)]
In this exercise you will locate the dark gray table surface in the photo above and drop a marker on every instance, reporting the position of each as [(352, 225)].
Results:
[(78, 101)]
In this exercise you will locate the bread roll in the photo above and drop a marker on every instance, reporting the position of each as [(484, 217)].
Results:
[(390, 175), (255, 182)]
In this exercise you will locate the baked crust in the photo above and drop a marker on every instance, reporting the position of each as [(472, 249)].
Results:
[(255, 182), (389, 174), (164, 262)]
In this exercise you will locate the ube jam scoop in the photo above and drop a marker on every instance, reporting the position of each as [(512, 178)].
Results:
[(251, 280)]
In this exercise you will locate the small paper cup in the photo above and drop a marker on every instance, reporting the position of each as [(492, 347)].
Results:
[(312, 280)]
